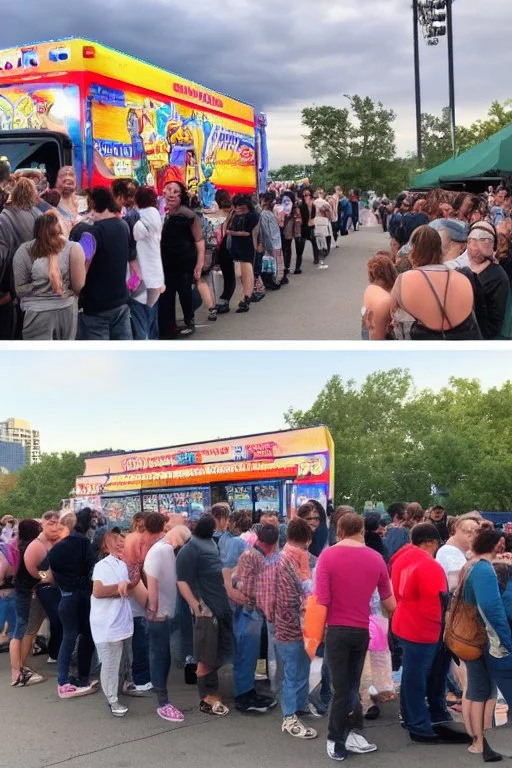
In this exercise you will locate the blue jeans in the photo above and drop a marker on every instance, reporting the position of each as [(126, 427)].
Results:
[(144, 320), (49, 597), (110, 325), (295, 688), (423, 686), (74, 610), (160, 657), (501, 671), (247, 633), (140, 651)]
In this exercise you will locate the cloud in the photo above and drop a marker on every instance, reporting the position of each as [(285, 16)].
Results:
[(283, 56)]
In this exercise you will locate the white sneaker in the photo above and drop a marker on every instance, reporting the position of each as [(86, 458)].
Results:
[(117, 709), (357, 743), (49, 660), (130, 689)]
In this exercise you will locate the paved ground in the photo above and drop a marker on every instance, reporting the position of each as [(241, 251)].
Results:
[(37, 730), (319, 304)]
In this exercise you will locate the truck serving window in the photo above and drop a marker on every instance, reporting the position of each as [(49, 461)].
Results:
[(38, 153)]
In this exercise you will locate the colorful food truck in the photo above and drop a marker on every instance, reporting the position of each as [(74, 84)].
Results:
[(110, 115), (276, 471)]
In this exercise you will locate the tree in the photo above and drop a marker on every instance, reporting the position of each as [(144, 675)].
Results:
[(393, 443), (436, 132), (291, 172), (355, 146), (436, 138), (42, 486), (329, 134)]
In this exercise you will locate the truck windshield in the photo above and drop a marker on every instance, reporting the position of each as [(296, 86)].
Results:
[(34, 153)]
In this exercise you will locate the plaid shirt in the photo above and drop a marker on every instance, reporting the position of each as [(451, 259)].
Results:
[(248, 570), (289, 602), (266, 587)]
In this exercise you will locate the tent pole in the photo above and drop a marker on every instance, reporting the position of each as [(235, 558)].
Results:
[(419, 149), (451, 78)]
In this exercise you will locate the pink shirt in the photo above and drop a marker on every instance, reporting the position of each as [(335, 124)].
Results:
[(346, 578)]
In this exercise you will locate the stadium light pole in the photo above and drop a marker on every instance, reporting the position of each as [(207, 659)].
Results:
[(417, 84), (451, 76)]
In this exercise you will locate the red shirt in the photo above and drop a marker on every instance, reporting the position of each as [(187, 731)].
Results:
[(418, 582), (346, 578)]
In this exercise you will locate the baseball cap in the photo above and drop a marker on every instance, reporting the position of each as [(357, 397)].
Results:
[(458, 230)]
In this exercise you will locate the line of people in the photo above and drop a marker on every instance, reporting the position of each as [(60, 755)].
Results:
[(110, 263), (447, 274), (223, 583)]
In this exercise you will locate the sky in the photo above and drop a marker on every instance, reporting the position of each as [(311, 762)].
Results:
[(87, 401), (284, 56)]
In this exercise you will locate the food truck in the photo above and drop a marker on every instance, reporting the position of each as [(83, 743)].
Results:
[(278, 471), (111, 115)]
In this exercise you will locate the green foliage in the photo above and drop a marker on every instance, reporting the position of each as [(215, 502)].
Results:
[(291, 172), (42, 486), (436, 136), (355, 147), (393, 443)]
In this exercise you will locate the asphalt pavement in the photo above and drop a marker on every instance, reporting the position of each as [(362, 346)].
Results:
[(38, 730), (318, 304)]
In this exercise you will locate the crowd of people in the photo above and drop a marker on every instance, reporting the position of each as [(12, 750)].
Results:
[(109, 263), (447, 272), (371, 596)]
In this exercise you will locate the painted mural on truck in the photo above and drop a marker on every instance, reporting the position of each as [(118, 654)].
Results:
[(156, 142)]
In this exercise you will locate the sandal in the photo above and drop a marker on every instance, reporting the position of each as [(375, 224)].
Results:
[(294, 727), (217, 708)]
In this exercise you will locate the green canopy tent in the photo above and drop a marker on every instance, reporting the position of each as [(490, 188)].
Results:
[(483, 164)]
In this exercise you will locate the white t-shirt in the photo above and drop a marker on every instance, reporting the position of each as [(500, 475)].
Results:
[(452, 560), (111, 617), (160, 563)]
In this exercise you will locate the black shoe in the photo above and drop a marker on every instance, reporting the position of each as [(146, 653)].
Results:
[(187, 330), (212, 314), (284, 281), (252, 702), (373, 713), (297, 271), (424, 739), (450, 734), (489, 755), (273, 286), (244, 305), (222, 309), (257, 297)]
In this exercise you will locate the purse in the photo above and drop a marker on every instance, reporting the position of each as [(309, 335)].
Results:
[(464, 633)]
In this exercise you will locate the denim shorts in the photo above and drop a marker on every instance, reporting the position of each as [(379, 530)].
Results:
[(481, 686), (22, 603), (7, 610)]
